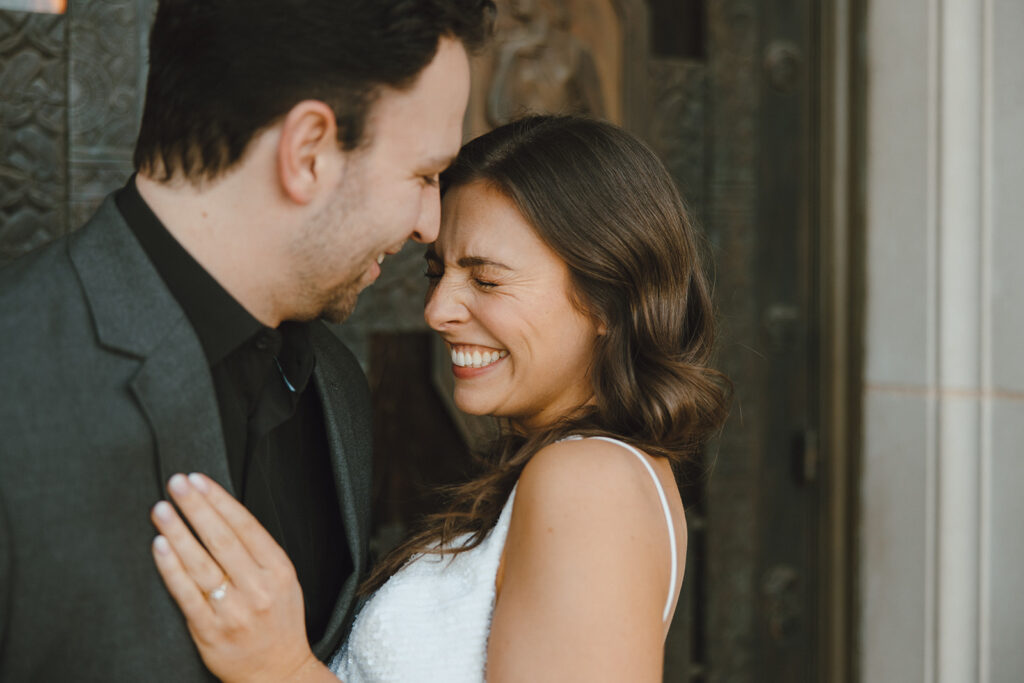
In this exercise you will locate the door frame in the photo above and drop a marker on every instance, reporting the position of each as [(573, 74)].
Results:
[(841, 281)]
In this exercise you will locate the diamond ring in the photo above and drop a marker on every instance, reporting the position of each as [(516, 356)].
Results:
[(218, 593)]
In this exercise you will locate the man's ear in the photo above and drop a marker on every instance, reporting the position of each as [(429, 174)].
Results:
[(308, 145)]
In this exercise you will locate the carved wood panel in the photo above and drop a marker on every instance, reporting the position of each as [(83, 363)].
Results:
[(33, 128), (677, 126), (71, 88), (107, 69), (550, 56)]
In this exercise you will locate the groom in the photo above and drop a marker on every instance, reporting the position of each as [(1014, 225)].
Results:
[(286, 147)]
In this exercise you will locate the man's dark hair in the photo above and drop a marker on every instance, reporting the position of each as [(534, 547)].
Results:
[(222, 70)]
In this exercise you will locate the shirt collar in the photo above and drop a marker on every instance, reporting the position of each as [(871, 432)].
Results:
[(221, 323), (293, 353)]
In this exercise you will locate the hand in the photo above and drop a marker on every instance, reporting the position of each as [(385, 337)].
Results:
[(239, 594)]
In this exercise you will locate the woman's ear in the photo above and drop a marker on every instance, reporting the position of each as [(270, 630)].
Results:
[(307, 151)]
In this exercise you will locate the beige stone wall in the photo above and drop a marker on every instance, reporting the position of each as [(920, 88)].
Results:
[(941, 542)]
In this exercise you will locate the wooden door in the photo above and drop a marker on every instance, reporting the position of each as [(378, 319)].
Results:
[(734, 117)]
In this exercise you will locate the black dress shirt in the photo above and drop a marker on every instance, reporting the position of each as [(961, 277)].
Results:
[(270, 413)]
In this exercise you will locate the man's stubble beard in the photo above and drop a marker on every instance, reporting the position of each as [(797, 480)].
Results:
[(340, 303), (314, 254)]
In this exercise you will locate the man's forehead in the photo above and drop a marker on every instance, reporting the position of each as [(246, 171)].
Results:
[(443, 160), (431, 143), (427, 117), (415, 152)]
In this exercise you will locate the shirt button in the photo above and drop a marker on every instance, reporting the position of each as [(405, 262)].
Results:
[(262, 343)]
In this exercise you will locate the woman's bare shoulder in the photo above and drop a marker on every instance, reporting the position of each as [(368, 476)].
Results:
[(586, 562), (586, 471), (587, 490)]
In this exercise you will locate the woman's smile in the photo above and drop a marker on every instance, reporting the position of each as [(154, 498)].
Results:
[(467, 356), (470, 361)]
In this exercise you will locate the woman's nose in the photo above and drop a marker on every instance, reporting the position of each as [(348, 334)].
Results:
[(444, 306)]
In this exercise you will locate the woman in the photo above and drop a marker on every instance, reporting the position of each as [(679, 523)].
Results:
[(567, 284)]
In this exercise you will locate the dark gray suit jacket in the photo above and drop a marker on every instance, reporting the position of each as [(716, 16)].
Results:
[(106, 394)]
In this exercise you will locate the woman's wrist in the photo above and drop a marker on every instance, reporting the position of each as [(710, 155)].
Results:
[(312, 670)]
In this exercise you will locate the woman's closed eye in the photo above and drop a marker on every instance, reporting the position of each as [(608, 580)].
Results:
[(433, 273)]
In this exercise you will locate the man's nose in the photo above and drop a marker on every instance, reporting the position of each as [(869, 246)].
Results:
[(429, 223)]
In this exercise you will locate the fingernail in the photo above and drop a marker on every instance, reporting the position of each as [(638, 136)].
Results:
[(198, 482), (178, 483), (161, 545), (163, 510)]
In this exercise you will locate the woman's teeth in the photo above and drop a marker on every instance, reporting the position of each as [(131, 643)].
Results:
[(380, 259), (476, 359)]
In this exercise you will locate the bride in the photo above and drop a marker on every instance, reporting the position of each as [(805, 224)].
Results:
[(568, 286)]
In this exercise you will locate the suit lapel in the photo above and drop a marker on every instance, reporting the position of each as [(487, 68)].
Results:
[(176, 393), (136, 315), (351, 510), (353, 498)]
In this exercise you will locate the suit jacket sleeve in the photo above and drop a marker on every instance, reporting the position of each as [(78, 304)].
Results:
[(6, 555)]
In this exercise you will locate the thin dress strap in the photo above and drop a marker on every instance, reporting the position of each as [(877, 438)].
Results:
[(668, 519)]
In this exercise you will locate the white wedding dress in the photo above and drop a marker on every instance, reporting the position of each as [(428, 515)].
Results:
[(431, 620)]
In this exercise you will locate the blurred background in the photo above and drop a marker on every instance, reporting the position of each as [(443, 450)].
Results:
[(857, 169)]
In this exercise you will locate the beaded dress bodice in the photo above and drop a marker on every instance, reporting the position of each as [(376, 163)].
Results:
[(431, 620)]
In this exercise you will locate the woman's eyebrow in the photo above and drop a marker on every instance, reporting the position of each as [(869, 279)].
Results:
[(466, 261), (477, 261)]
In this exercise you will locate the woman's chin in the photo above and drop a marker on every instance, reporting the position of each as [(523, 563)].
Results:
[(478, 405), (471, 405)]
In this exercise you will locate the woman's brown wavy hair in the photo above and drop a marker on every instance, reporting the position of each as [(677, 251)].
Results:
[(604, 203)]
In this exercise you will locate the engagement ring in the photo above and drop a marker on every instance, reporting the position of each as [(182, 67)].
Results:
[(219, 592)]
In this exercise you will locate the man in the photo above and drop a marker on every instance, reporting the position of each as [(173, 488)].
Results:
[(286, 147)]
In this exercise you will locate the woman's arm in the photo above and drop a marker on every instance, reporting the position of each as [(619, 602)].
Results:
[(241, 598), (586, 571)]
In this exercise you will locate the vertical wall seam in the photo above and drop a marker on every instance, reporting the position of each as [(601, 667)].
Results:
[(985, 346), (933, 297)]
